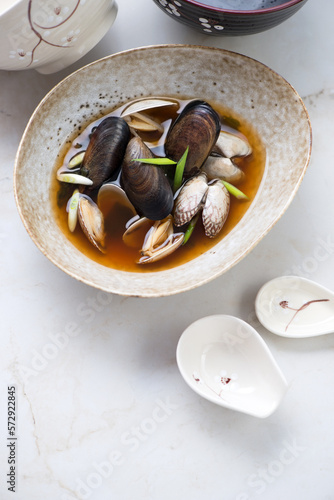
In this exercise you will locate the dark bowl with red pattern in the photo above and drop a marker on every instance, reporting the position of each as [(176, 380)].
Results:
[(230, 17)]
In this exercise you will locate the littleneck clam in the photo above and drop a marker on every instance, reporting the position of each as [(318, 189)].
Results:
[(134, 113), (197, 194), (220, 167), (190, 199), (156, 240), (160, 241), (146, 104), (216, 208), (146, 185), (143, 123), (296, 307), (153, 254), (92, 222), (112, 194), (219, 163), (105, 151), (232, 145), (197, 127), (136, 231), (226, 361)]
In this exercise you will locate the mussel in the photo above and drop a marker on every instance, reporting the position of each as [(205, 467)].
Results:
[(105, 151), (146, 185), (198, 126)]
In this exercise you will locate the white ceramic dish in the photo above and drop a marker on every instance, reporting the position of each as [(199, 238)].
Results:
[(49, 36), (248, 88), (224, 360), (295, 307)]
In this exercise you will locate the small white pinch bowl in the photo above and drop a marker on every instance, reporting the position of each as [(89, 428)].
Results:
[(50, 35), (224, 360), (295, 307), (245, 86)]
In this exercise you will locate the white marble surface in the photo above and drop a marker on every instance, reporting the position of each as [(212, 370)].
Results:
[(102, 409)]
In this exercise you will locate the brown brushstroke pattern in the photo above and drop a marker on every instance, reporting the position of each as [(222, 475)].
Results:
[(285, 305), (33, 26)]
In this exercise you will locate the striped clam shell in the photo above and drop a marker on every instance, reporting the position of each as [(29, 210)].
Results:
[(190, 199)]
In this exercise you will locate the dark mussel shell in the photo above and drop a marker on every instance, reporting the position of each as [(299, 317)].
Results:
[(146, 186), (197, 126), (106, 149)]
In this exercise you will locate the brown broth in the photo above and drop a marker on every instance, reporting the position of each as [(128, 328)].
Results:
[(121, 257)]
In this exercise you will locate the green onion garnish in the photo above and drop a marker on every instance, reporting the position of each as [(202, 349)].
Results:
[(190, 229), (235, 191), (156, 161), (179, 170)]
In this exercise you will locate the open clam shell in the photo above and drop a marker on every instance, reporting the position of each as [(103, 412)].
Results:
[(146, 104), (92, 222), (111, 193), (136, 232), (137, 118), (143, 123), (172, 243)]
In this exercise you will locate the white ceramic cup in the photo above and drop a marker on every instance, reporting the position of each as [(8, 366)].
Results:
[(49, 35)]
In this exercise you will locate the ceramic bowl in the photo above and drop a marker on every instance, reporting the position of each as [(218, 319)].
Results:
[(246, 86), (230, 17), (50, 35)]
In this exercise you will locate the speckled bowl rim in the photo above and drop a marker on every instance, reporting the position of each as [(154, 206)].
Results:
[(267, 10), (185, 285)]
